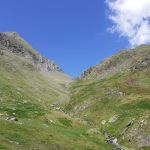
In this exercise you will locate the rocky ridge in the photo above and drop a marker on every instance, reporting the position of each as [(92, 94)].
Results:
[(12, 42), (124, 61)]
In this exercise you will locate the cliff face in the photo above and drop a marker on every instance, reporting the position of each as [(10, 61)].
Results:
[(12, 42)]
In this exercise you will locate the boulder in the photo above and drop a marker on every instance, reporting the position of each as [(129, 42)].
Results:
[(103, 122), (93, 131), (113, 119)]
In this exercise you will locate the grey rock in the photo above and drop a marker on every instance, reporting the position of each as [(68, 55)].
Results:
[(143, 140), (12, 119), (82, 106), (103, 122), (93, 131), (12, 42), (130, 123), (113, 119)]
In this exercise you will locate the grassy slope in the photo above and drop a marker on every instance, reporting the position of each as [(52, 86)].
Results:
[(27, 95), (123, 61), (126, 95)]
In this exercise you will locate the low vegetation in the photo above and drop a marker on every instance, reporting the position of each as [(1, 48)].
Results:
[(42, 109), (119, 105)]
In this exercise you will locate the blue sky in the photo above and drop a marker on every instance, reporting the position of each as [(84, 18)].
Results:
[(73, 33)]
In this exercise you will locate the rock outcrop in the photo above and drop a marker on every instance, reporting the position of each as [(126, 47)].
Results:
[(12, 42)]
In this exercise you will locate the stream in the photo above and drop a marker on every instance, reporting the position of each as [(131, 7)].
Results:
[(112, 141)]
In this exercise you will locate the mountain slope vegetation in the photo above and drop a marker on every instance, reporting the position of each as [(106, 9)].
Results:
[(42, 108), (125, 61), (115, 97), (32, 92)]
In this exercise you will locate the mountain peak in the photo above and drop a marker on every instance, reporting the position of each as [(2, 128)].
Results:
[(12, 42)]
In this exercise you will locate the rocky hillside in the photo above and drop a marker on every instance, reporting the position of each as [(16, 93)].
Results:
[(12, 42), (124, 61), (114, 98), (41, 108), (33, 92)]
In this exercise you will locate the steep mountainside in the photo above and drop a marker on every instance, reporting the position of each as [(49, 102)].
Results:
[(12, 42), (125, 61), (114, 97), (32, 92), (42, 108)]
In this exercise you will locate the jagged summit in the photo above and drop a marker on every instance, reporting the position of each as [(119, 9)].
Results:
[(11, 41), (124, 61), (13, 33)]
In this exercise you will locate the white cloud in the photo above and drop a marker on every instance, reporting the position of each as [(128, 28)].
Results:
[(131, 19)]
